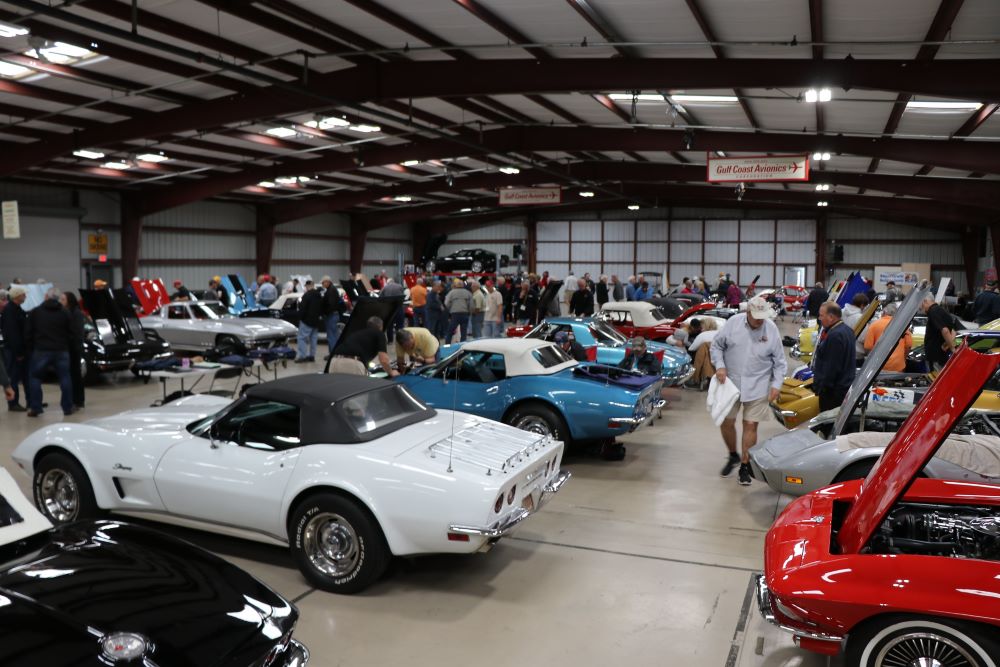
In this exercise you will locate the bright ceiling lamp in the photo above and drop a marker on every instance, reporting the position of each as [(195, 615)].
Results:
[(266, 184), (12, 71), (640, 97), (365, 129), (633, 207), (465, 210), (704, 99), (586, 193), (152, 157), (812, 96), (90, 155), (822, 203), (403, 198), (822, 187), (411, 163), (930, 106), (819, 157), (8, 30), (327, 123), (510, 171), (281, 132), (116, 165), (60, 53)]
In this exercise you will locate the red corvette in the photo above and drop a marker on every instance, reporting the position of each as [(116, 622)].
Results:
[(793, 296), (640, 318), (896, 569)]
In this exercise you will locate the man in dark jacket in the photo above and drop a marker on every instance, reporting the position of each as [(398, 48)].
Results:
[(333, 309), (986, 307), (437, 315), (582, 302), (8, 390), (602, 291), (310, 320), (638, 359), (817, 297), (15, 349), (834, 358), (939, 335), (49, 335)]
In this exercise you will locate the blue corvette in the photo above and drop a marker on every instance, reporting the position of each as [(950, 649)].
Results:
[(610, 344), (534, 385)]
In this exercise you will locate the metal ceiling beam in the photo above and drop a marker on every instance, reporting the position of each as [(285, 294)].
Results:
[(968, 127), (959, 155), (940, 26), (603, 27), (403, 80)]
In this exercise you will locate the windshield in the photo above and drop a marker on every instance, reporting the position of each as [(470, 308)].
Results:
[(381, 408), (605, 334), (551, 355), (658, 315), (208, 311)]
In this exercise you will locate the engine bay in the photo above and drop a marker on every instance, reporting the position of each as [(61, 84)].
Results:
[(955, 531)]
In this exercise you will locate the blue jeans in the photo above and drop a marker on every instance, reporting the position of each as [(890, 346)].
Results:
[(477, 324), (420, 316), (492, 329), (307, 340), (18, 373), (42, 360), (332, 330), (461, 320)]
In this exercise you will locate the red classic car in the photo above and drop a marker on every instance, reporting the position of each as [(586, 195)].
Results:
[(896, 569), (793, 296), (640, 318)]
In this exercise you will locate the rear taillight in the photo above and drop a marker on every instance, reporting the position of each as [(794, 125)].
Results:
[(510, 494), (498, 505)]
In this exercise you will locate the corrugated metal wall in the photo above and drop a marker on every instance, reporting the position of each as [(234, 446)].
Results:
[(678, 248), (385, 248), (49, 243), (315, 246)]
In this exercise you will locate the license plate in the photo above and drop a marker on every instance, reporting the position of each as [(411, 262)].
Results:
[(528, 503)]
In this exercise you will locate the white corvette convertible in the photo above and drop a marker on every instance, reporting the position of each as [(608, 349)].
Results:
[(347, 471)]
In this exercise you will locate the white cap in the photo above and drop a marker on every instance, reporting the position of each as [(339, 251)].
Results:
[(760, 309)]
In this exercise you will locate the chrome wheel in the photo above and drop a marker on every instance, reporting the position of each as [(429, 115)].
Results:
[(331, 544), (430, 266), (477, 267), (533, 424), (59, 495), (924, 649)]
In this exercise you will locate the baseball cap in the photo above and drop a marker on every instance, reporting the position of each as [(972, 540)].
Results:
[(177, 283), (760, 309), (489, 283)]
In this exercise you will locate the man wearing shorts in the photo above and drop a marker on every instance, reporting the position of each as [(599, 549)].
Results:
[(747, 351)]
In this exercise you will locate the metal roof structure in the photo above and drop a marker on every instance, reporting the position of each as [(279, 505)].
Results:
[(394, 111)]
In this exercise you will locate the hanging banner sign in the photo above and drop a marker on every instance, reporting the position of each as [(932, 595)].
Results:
[(11, 220), (97, 244), (524, 196), (758, 168)]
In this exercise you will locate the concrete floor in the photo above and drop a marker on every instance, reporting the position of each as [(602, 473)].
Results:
[(641, 562)]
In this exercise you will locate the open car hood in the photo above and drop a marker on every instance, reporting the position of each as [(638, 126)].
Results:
[(433, 245), (241, 298), (880, 353), (920, 436), (365, 308), (114, 307), (152, 294)]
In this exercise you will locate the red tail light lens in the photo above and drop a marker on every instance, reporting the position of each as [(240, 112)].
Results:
[(510, 494), (498, 505)]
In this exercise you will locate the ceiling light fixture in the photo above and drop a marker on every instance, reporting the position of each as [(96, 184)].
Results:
[(641, 97), (821, 156), (410, 163), (633, 207), (90, 155), (403, 198), (695, 100), (930, 106), (822, 203), (116, 165), (8, 30), (327, 123), (822, 187), (366, 129), (152, 157), (812, 96), (466, 210), (510, 171), (282, 132), (266, 184), (286, 180), (13, 71), (586, 193)]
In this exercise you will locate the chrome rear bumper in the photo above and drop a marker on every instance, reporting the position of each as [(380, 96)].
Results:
[(512, 521), (765, 604)]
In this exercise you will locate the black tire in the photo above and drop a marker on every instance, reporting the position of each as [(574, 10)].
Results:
[(910, 638), (538, 418), (227, 344), (356, 532), (857, 470), (62, 490)]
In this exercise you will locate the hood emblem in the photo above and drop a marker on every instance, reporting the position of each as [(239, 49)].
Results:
[(123, 646), (119, 466)]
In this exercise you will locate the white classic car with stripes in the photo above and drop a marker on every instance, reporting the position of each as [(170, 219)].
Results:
[(346, 471)]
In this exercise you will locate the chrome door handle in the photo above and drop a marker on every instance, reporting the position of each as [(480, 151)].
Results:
[(492, 390)]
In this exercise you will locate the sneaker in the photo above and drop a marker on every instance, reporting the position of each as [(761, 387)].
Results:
[(727, 470), (745, 474)]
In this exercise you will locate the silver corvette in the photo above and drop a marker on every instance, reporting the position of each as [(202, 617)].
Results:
[(202, 325), (844, 443)]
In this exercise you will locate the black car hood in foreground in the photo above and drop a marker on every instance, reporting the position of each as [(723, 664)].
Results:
[(84, 580)]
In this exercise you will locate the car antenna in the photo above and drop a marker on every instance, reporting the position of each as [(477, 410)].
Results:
[(454, 408)]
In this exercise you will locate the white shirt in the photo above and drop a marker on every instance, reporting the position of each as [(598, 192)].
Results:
[(704, 338)]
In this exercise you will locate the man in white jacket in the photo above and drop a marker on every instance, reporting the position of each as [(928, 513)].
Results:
[(748, 352)]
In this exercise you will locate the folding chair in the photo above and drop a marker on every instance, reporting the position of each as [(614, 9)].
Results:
[(226, 374)]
